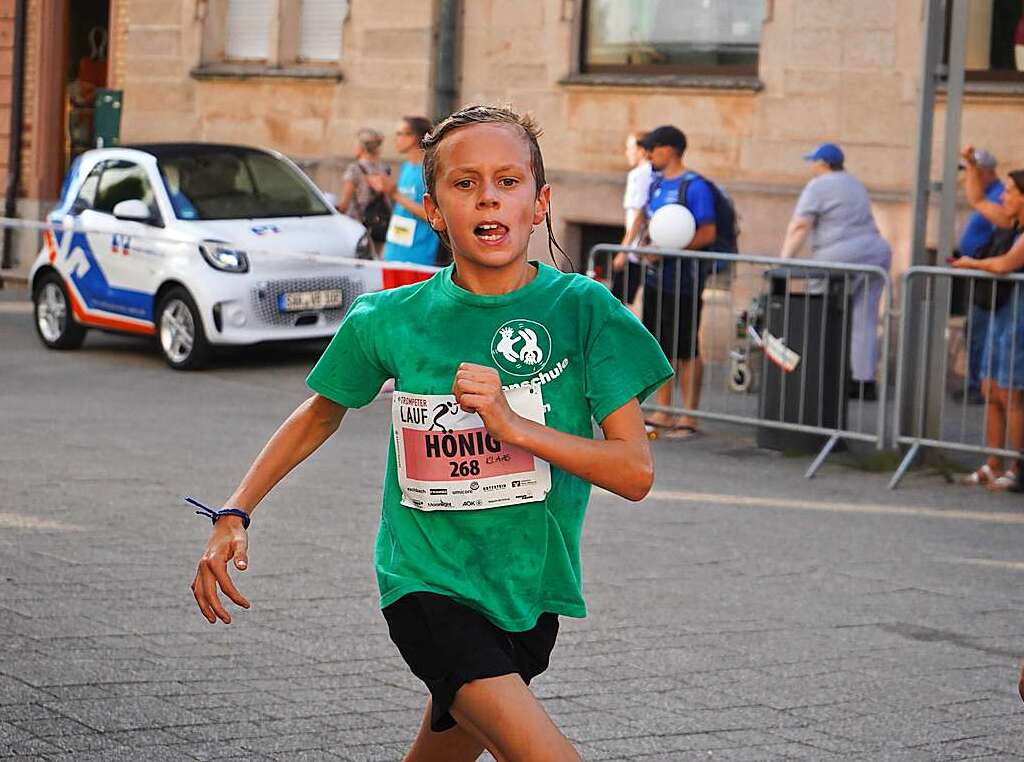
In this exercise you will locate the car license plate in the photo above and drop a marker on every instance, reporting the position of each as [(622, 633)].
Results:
[(310, 300)]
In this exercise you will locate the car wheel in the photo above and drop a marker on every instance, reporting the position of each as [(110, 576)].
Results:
[(180, 331), (55, 324)]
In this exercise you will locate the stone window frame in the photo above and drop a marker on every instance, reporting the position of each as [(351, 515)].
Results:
[(283, 61), (677, 78)]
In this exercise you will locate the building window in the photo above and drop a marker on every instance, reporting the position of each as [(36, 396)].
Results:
[(247, 30), (672, 36), (320, 29), (272, 34), (995, 40)]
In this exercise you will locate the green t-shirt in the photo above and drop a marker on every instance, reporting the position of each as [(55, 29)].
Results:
[(590, 357)]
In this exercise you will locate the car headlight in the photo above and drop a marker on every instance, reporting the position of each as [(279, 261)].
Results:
[(364, 249), (220, 256)]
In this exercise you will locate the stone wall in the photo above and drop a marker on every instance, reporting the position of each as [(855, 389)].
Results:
[(845, 71)]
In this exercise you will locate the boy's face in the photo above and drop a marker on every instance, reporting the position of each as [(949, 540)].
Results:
[(1012, 198), (405, 138), (485, 197), (634, 152), (662, 156)]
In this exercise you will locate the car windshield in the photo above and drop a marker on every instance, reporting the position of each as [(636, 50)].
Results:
[(226, 184)]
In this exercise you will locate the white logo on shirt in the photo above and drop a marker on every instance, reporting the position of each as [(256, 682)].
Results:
[(521, 347)]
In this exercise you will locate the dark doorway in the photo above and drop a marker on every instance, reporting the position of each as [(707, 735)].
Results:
[(88, 38)]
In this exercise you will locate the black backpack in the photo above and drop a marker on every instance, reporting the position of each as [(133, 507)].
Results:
[(377, 214), (727, 229)]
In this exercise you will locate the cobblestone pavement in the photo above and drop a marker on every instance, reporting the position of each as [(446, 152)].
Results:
[(739, 613)]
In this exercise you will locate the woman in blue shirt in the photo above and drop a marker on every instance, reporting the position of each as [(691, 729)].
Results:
[(409, 238)]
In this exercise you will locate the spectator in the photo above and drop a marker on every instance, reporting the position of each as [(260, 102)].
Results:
[(409, 237), (627, 267), (672, 288), (1002, 362), (834, 209), (360, 201), (982, 184)]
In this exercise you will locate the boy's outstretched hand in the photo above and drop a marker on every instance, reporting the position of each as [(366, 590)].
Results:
[(228, 542), (477, 389)]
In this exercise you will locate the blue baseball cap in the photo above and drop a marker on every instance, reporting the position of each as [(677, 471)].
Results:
[(829, 153)]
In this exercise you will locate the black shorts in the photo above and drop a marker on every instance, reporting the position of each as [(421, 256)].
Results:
[(447, 645), (676, 328)]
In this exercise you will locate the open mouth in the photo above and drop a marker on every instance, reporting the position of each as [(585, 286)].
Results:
[(490, 232)]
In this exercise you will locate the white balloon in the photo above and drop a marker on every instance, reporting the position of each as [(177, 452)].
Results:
[(672, 227)]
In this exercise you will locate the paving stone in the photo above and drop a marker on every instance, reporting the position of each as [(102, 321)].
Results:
[(126, 714), (719, 630)]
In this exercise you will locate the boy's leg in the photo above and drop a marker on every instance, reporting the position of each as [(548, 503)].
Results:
[(459, 744), (511, 720)]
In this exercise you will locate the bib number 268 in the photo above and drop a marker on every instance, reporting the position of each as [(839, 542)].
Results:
[(464, 468)]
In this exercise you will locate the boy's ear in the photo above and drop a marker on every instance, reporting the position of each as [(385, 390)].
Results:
[(542, 204), (433, 213)]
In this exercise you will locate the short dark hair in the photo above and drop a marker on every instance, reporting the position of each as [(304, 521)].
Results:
[(835, 166), (420, 125), (1017, 176)]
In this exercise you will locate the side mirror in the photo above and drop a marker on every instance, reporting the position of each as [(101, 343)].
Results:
[(133, 209)]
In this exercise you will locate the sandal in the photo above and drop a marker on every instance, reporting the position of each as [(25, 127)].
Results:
[(984, 475), (685, 431), (1004, 483)]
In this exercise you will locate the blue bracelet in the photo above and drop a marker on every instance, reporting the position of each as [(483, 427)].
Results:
[(214, 515)]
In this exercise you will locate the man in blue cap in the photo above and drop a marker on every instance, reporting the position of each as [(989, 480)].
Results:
[(984, 191), (835, 211)]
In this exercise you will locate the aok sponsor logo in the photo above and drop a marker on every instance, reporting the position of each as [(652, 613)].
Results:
[(472, 503), (492, 487), (438, 491), (438, 504)]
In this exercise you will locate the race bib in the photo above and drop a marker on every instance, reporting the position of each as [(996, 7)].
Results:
[(448, 462), (401, 230)]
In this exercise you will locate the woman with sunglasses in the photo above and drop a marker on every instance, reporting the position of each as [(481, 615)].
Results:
[(409, 237)]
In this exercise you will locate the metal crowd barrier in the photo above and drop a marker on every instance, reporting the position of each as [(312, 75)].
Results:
[(752, 305), (945, 311)]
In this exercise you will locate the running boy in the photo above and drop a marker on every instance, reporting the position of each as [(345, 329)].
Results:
[(500, 365)]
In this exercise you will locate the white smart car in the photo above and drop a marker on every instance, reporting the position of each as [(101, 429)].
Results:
[(199, 244)]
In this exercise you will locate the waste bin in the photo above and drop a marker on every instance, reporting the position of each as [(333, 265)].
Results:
[(815, 326)]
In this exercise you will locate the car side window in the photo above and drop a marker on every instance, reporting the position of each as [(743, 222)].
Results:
[(87, 193), (123, 181)]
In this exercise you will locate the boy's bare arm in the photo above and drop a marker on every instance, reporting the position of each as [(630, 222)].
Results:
[(620, 463), (297, 438)]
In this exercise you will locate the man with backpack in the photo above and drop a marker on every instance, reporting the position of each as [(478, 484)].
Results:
[(673, 287)]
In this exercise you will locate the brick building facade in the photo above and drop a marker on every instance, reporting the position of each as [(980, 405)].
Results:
[(838, 70)]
